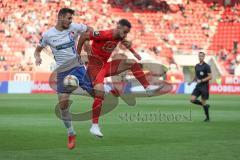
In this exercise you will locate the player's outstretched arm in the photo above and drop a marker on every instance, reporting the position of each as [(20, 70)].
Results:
[(87, 47), (126, 43), (83, 38), (37, 55)]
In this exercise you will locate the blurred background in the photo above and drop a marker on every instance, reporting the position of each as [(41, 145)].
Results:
[(168, 32)]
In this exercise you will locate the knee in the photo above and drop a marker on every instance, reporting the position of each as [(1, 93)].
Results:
[(203, 102), (131, 61), (98, 86), (99, 89), (192, 100), (64, 104)]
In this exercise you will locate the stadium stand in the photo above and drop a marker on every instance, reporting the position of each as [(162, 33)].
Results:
[(160, 28)]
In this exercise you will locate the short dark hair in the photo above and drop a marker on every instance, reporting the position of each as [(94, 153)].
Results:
[(125, 22), (64, 11), (201, 52)]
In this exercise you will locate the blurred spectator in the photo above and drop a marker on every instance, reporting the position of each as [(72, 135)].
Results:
[(5, 66), (214, 5), (222, 54), (205, 26), (233, 66), (237, 69), (157, 50), (143, 5), (156, 29)]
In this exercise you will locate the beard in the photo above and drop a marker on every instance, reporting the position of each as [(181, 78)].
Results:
[(119, 37), (65, 27)]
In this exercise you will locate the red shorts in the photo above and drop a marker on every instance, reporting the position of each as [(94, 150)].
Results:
[(98, 69)]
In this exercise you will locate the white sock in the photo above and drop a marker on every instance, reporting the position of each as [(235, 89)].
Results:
[(71, 131), (66, 118), (95, 125)]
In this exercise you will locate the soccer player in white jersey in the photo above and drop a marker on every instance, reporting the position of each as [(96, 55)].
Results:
[(61, 39)]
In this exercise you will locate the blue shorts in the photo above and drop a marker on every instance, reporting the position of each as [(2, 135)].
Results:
[(81, 73)]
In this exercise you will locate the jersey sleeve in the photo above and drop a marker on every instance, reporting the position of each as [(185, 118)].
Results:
[(79, 27), (208, 69), (195, 70), (101, 35), (43, 41)]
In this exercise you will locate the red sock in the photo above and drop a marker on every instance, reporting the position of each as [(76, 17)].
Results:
[(139, 74), (96, 109)]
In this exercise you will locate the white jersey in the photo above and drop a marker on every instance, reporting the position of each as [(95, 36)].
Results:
[(63, 43)]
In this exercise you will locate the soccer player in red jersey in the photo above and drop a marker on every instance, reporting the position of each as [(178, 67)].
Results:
[(103, 44)]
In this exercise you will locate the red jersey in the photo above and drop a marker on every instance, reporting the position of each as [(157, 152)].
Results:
[(103, 43)]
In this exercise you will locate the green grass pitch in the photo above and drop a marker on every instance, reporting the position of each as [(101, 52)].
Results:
[(30, 130)]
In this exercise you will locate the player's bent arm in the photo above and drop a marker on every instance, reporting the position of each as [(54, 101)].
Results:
[(208, 78), (87, 43), (37, 55), (126, 43), (37, 51), (84, 37)]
